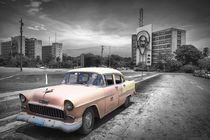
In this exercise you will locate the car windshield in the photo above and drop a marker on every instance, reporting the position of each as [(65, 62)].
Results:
[(84, 78)]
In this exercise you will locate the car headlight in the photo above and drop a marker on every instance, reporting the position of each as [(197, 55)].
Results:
[(22, 98), (68, 105)]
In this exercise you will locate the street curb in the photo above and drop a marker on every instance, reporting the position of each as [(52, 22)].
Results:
[(147, 78)]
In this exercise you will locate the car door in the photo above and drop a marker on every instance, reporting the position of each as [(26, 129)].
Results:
[(111, 93), (125, 88), (118, 85)]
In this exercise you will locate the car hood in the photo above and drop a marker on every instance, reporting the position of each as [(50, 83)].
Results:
[(77, 94)]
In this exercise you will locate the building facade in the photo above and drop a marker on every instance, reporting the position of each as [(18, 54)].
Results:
[(33, 48), (166, 42), (16, 46), (162, 42), (53, 51), (6, 49), (12, 47), (58, 50)]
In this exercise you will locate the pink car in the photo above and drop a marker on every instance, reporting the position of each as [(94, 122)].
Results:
[(85, 94)]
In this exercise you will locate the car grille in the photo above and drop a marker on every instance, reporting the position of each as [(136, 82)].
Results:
[(46, 111)]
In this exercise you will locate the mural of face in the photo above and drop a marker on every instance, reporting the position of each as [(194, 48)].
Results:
[(143, 41)]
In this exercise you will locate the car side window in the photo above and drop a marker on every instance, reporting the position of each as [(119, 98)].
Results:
[(109, 79), (122, 79), (98, 80), (72, 78), (118, 79)]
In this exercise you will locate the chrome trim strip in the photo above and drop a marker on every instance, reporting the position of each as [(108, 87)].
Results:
[(95, 100)]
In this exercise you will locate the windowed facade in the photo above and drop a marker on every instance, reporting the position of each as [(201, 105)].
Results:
[(163, 42), (166, 42)]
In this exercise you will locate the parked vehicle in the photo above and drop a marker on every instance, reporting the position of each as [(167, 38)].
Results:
[(85, 94)]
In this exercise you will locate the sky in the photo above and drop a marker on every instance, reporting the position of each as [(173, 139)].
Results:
[(91, 23)]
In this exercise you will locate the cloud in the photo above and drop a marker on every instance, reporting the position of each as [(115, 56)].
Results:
[(75, 35), (35, 6), (2, 2), (40, 27)]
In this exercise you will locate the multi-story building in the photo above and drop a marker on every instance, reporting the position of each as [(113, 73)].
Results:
[(12, 47), (6, 49), (134, 47), (16, 45), (53, 51), (163, 42), (166, 42), (58, 51), (33, 48)]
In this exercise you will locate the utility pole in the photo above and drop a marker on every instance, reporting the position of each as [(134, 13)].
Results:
[(109, 54), (102, 51), (21, 38)]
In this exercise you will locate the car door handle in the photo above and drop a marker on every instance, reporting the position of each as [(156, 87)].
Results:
[(116, 87)]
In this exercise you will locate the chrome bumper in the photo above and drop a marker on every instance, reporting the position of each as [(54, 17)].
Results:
[(66, 127)]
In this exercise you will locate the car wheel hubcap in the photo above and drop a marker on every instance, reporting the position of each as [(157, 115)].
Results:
[(88, 120)]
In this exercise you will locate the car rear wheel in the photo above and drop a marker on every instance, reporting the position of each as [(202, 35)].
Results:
[(87, 121), (127, 102)]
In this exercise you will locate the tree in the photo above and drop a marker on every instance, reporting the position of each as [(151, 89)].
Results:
[(206, 52), (204, 63), (92, 60), (187, 54), (173, 65)]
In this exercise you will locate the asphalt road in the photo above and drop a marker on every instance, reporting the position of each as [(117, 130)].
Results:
[(170, 106)]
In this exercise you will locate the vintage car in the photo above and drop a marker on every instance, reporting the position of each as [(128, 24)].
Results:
[(84, 95)]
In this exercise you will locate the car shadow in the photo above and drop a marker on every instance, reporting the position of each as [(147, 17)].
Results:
[(54, 134)]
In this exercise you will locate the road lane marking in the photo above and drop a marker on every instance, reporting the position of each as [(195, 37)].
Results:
[(7, 77), (147, 78), (134, 76)]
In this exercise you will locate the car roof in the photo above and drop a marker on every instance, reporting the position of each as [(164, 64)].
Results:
[(99, 70)]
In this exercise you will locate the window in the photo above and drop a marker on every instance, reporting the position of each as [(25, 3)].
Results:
[(96, 80), (118, 79), (84, 78), (109, 79)]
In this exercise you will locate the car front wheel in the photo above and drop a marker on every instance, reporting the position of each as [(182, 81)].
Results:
[(87, 121)]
